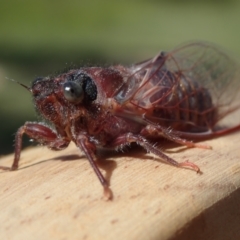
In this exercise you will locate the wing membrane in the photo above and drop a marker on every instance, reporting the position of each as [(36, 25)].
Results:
[(197, 83)]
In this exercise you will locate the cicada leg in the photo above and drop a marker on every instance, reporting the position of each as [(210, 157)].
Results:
[(155, 130), (128, 138), (89, 149), (40, 133)]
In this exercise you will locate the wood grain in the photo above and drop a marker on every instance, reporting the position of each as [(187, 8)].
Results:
[(56, 195)]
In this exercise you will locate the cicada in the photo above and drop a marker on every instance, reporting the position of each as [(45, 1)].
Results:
[(180, 95)]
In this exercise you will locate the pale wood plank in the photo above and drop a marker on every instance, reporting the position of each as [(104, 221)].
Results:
[(53, 199)]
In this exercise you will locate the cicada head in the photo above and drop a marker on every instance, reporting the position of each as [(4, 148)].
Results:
[(58, 98)]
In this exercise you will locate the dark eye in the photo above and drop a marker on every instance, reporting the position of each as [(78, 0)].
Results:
[(73, 92)]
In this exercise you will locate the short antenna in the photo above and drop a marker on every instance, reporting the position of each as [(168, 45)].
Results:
[(26, 87)]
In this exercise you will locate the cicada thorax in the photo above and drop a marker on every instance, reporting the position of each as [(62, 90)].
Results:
[(108, 80)]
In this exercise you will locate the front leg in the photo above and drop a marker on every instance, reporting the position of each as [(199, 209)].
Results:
[(89, 149), (42, 134)]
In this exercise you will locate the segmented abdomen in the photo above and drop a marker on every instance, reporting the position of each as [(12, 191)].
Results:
[(171, 99), (183, 101)]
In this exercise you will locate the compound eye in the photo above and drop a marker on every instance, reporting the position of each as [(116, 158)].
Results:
[(73, 92)]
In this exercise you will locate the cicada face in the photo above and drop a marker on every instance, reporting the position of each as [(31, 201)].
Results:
[(56, 98)]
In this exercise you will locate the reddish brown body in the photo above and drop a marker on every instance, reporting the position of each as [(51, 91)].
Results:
[(176, 95)]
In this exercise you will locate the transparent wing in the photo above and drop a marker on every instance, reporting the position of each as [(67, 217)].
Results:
[(211, 68), (197, 83)]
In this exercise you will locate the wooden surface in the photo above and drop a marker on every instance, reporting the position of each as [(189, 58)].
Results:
[(56, 195)]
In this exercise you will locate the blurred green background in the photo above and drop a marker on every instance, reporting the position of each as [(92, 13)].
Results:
[(38, 38)]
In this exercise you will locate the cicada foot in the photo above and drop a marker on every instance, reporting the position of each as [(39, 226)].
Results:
[(203, 146), (107, 193), (189, 144), (190, 165), (6, 168)]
